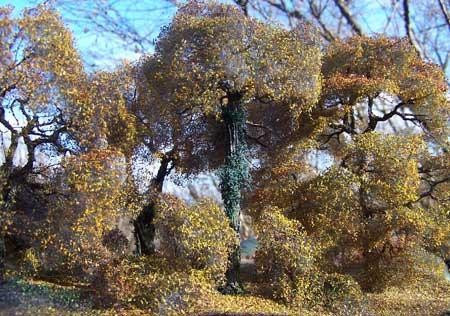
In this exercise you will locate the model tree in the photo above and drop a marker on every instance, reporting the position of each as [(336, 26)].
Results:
[(227, 89), (40, 68), (383, 199)]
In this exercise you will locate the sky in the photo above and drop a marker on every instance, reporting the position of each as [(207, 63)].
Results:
[(100, 52)]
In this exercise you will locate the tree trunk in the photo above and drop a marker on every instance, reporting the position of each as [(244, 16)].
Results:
[(234, 176), (144, 229)]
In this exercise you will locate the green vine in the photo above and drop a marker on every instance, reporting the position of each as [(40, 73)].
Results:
[(234, 174)]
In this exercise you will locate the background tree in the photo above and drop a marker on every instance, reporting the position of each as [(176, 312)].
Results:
[(119, 29), (424, 23), (120, 24), (212, 91)]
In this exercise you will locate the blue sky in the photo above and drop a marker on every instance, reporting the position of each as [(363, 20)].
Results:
[(99, 51), (102, 52), (89, 43)]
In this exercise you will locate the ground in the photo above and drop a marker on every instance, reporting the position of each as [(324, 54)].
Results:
[(26, 296)]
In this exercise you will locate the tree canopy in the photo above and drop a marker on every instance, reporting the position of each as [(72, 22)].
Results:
[(335, 156)]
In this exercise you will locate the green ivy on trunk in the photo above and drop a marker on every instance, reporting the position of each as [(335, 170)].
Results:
[(234, 176)]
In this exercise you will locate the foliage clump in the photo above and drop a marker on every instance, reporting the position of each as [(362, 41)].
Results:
[(288, 259), (364, 214), (362, 70), (194, 243), (101, 116), (86, 216), (212, 57), (196, 236), (151, 284), (285, 254)]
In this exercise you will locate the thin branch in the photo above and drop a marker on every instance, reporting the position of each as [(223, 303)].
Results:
[(374, 119), (408, 28), (257, 125), (317, 14), (243, 5), (345, 11), (444, 12), (290, 13)]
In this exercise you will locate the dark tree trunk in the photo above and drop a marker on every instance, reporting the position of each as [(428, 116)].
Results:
[(144, 228), (234, 176), (243, 5)]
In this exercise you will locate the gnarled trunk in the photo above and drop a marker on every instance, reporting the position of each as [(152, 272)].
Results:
[(234, 176), (144, 228)]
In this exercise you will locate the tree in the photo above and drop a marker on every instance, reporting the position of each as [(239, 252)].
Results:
[(51, 106), (383, 85), (40, 68), (227, 89), (387, 116)]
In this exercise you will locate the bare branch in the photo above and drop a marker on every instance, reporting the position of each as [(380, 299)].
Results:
[(243, 5), (345, 11), (408, 28), (444, 12)]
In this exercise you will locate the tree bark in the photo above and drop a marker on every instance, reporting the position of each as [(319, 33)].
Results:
[(409, 30), (234, 176), (144, 229), (345, 11), (243, 5)]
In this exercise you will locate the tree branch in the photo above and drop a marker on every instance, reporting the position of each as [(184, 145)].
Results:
[(345, 11), (444, 12), (408, 28), (243, 5), (374, 120)]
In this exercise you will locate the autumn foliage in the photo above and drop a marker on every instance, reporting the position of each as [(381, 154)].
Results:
[(338, 152)]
